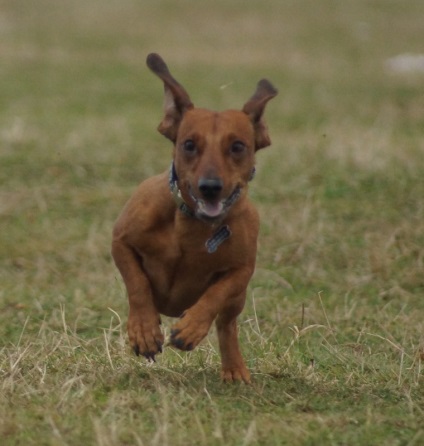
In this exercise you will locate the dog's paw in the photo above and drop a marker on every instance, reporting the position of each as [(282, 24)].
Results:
[(189, 331), (236, 374), (146, 338)]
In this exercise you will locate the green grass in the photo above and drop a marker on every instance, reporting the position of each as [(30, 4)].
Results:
[(333, 330)]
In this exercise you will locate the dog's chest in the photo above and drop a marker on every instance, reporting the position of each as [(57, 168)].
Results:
[(181, 267)]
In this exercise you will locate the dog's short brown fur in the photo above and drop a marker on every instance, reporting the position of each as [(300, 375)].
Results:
[(191, 253)]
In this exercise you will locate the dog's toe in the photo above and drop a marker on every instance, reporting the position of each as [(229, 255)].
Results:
[(147, 346), (150, 356), (178, 343), (174, 332), (188, 332), (236, 375), (136, 350)]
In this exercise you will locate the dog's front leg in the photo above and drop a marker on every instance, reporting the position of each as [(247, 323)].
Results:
[(225, 299), (144, 332)]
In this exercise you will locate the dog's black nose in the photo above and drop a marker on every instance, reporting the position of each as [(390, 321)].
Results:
[(210, 188)]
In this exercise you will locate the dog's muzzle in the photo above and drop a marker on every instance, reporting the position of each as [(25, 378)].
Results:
[(209, 210)]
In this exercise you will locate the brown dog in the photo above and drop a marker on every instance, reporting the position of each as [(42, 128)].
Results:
[(185, 243)]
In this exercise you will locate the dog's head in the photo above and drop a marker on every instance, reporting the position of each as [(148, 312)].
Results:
[(214, 152)]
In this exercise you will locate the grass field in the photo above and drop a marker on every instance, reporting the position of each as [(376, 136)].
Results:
[(333, 331)]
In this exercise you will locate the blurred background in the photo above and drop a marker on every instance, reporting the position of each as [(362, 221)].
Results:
[(79, 109)]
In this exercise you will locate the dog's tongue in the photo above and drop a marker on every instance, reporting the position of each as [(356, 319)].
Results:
[(211, 209)]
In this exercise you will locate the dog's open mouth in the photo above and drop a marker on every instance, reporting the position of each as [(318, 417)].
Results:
[(215, 210), (210, 210)]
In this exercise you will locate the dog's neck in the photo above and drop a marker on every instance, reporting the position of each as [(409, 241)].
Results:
[(176, 193), (221, 231)]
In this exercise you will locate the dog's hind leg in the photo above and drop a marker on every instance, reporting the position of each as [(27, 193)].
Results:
[(233, 366)]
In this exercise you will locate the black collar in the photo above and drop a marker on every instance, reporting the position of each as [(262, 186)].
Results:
[(176, 193)]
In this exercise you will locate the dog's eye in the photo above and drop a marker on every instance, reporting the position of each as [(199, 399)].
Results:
[(238, 148), (189, 147)]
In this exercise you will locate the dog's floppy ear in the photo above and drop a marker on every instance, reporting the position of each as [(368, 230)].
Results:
[(255, 107), (177, 101)]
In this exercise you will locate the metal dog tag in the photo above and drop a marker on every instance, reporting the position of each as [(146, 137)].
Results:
[(217, 238)]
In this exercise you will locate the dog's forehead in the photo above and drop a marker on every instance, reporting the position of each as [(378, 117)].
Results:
[(224, 122)]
